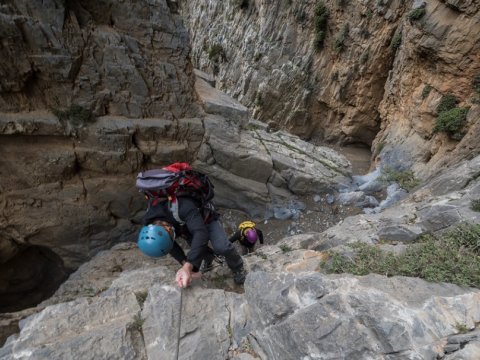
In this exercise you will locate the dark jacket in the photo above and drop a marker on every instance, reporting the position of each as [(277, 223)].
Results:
[(238, 235), (190, 213)]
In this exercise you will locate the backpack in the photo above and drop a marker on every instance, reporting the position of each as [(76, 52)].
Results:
[(173, 181)]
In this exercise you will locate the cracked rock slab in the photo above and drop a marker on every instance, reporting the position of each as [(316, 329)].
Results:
[(204, 324), (86, 328)]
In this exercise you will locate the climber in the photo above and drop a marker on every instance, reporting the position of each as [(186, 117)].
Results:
[(157, 238), (247, 235)]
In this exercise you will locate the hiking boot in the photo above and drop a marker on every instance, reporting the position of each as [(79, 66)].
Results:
[(207, 265), (239, 276)]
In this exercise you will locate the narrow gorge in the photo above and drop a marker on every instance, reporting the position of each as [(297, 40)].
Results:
[(347, 130)]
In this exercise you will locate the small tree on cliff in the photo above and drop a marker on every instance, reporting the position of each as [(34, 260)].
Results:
[(321, 17)]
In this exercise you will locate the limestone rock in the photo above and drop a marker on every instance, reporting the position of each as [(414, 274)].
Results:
[(366, 90), (300, 316), (261, 166), (270, 64), (203, 334), (308, 316), (121, 267), (114, 58), (80, 329), (431, 209), (80, 177), (9, 322), (217, 102), (445, 35)]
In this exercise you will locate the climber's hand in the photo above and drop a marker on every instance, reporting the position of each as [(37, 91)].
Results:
[(185, 275)]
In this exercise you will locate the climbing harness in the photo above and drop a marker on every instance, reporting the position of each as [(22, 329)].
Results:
[(179, 324)]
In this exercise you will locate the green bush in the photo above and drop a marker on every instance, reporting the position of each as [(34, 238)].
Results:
[(462, 328), (300, 15), (339, 43), (406, 179), (448, 102), (319, 39), (75, 114), (216, 52), (426, 91), (379, 148), (476, 83), (475, 205), (321, 17), (450, 119), (454, 258), (285, 248), (368, 259), (141, 297), (364, 57), (416, 14), (259, 100), (396, 41), (452, 122), (138, 322)]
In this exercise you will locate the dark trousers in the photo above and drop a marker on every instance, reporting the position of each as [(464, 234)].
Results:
[(221, 245)]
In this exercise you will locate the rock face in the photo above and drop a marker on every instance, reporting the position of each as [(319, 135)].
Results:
[(263, 54), (70, 188), (96, 54), (436, 206), (438, 56), (308, 316), (54, 182), (67, 185), (265, 166), (89, 96), (303, 315), (93, 92), (68, 179), (378, 79), (289, 309)]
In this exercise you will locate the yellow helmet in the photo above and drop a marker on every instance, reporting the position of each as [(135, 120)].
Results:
[(246, 225)]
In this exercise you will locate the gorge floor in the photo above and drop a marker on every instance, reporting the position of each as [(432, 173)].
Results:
[(318, 215)]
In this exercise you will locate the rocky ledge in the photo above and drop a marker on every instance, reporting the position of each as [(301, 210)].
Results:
[(136, 314)]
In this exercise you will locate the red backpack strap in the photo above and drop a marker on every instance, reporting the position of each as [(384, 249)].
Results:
[(177, 167)]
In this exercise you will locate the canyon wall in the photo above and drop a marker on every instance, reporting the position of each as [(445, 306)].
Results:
[(90, 93), (97, 54), (269, 61), (363, 85), (439, 56), (95, 92)]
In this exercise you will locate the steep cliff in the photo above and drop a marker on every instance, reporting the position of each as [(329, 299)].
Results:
[(268, 59), (96, 54), (67, 188), (92, 94), (438, 59), (377, 76)]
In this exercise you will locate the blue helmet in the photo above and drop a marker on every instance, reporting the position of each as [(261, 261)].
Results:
[(154, 240)]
